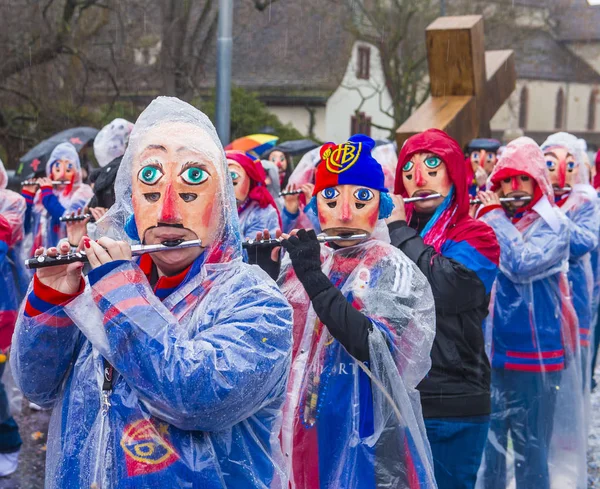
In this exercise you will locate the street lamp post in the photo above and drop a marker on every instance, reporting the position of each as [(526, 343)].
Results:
[(224, 53)]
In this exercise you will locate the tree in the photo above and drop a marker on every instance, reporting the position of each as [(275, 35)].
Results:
[(249, 116), (47, 65), (397, 29), (187, 28)]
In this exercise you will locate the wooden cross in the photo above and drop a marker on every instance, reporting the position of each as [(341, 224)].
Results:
[(468, 84)]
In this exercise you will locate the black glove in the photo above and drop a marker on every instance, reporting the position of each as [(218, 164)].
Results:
[(261, 256), (305, 253)]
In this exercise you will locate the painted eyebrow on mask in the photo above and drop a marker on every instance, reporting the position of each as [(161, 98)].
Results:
[(550, 153), (194, 164), (156, 146)]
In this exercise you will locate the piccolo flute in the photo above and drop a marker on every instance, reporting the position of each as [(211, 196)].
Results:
[(78, 217), (274, 243), (505, 199), (25, 183), (44, 261), (424, 197), (283, 193)]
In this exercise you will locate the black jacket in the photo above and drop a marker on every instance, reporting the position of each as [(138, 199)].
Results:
[(458, 384)]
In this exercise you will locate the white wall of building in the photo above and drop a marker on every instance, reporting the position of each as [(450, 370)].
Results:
[(299, 117), (542, 100), (353, 92)]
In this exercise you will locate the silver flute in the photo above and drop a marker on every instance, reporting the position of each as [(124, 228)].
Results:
[(44, 261), (283, 193), (78, 217), (25, 183), (424, 197), (505, 199), (322, 238)]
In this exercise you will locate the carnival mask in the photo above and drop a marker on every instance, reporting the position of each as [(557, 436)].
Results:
[(484, 159), (425, 174), (62, 170), (561, 167), (175, 190), (279, 160), (348, 209), (517, 186), (241, 181)]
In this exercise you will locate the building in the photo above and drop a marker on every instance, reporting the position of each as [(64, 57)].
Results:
[(558, 71)]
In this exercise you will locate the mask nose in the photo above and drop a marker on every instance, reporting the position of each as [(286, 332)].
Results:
[(482, 157), (346, 214), (419, 179), (515, 183), (169, 213), (562, 173)]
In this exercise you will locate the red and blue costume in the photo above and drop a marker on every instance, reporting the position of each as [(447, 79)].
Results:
[(352, 416)]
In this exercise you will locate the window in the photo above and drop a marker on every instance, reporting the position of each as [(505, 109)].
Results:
[(523, 107), (560, 109), (360, 124), (363, 71), (591, 122)]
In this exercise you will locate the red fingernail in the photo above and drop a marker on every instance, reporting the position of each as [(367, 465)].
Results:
[(87, 243)]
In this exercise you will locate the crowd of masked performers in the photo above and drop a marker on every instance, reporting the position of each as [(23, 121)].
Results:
[(328, 336)]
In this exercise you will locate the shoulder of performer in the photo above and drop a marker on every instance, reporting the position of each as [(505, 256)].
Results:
[(474, 244)]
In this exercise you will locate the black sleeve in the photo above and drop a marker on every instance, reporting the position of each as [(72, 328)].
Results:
[(347, 325), (455, 287)]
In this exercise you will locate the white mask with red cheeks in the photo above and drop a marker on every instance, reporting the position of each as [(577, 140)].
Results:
[(425, 174), (279, 160), (561, 167)]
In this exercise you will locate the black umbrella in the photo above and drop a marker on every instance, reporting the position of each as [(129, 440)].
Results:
[(293, 148), (33, 164)]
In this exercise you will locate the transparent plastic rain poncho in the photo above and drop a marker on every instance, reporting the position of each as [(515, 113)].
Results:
[(45, 228), (111, 141), (13, 275), (580, 206), (369, 428), (304, 172), (199, 377), (536, 433)]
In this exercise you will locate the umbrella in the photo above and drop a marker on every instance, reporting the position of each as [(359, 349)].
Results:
[(253, 145), (33, 163), (293, 148)]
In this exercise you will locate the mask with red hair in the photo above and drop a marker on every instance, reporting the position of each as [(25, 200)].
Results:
[(258, 191)]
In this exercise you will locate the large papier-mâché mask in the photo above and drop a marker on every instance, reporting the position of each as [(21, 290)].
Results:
[(348, 209), (561, 167), (175, 185), (62, 170), (483, 159), (424, 174), (517, 186), (240, 179)]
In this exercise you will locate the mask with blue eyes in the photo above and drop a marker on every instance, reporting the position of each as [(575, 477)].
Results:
[(363, 194)]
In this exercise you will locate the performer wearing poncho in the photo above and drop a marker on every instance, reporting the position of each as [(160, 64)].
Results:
[(200, 342), (459, 257), (567, 170), (13, 285), (256, 208), (46, 203), (536, 381), (363, 327)]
